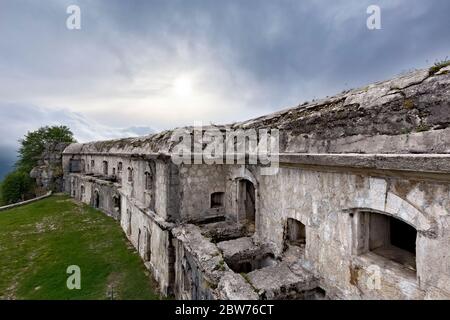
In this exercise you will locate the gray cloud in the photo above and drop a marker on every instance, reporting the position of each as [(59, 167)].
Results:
[(18, 119), (244, 58)]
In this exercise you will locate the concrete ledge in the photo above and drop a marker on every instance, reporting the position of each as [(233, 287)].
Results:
[(431, 163), (14, 205)]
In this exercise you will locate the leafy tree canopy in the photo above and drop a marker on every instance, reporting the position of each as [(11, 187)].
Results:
[(33, 144), (17, 185)]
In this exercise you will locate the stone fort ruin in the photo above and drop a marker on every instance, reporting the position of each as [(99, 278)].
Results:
[(359, 208)]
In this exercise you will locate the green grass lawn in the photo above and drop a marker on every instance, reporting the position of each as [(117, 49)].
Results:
[(40, 240)]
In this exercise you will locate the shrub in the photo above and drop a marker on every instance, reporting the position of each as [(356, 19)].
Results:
[(17, 186), (438, 66)]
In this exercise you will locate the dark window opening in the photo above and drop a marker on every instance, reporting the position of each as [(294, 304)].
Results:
[(148, 245), (75, 166), (403, 235), (217, 199), (295, 232), (388, 237), (105, 168), (96, 199), (315, 294), (119, 171), (73, 189), (139, 241), (130, 175), (148, 181), (117, 203)]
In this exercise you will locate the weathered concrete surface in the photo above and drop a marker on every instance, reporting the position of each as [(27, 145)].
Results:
[(408, 114), (283, 282), (240, 248), (223, 231), (233, 286), (381, 150), (437, 163), (323, 202), (198, 265)]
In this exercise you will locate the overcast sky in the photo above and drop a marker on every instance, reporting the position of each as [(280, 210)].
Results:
[(137, 66)]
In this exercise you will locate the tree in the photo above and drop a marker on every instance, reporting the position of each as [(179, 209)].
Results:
[(16, 186), (34, 143)]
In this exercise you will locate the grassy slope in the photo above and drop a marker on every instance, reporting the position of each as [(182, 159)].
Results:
[(39, 241)]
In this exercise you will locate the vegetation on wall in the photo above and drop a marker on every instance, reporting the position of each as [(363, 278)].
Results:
[(17, 185), (438, 66)]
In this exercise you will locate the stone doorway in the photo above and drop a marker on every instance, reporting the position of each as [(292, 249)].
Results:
[(96, 199), (246, 203)]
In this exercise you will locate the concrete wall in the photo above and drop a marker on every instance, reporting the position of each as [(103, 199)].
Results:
[(197, 183), (325, 199), (324, 202), (139, 206), (154, 252)]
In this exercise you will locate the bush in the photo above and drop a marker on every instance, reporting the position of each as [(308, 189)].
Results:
[(438, 66), (17, 186)]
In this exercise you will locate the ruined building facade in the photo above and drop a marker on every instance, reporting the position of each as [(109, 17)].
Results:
[(359, 208)]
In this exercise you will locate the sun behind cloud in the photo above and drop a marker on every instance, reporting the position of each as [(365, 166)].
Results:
[(183, 86)]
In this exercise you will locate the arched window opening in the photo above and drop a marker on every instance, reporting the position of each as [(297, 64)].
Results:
[(295, 232), (117, 203), (148, 245), (139, 241), (387, 237), (83, 166), (82, 191), (105, 168), (148, 181), (96, 199), (130, 174)]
